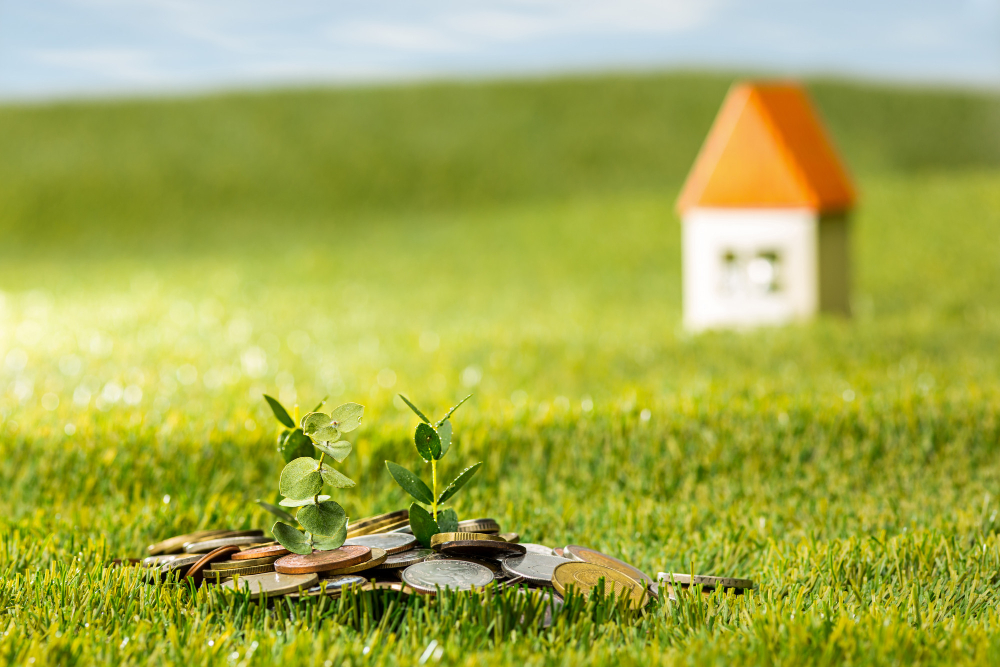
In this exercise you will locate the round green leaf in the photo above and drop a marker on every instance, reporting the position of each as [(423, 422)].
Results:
[(428, 442), (348, 416), (447, 521), (324, 519), (294, 444), (444, 432), (291, 538), (338, 450), (325, 434), (288, 502), (334, 541), (300, 479), (335, 479), (423, 525), (410, 483), (315, 420)]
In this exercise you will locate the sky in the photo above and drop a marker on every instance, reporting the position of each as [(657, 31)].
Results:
[(67, 48)]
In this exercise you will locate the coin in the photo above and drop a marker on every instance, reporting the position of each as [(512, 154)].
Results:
[(510, 537), (157, 561), (705, 580), (392, 543), (378, 557), (533, 548), (454, 537), (272, 583), (261, 552), (388, 517), (195, 571), (461, 575), (235, 541), (396, 586), (479, 526), (586, 555), (321, 561), (178, 564), (382, 527), (656, 588), (236, 564), (219, 575), (558, 552), (332, 587), (535, 568), (585, 577), (176, 544), (405, 558), (480, 548), (492, 565)]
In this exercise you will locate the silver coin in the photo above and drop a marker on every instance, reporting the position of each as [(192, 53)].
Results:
[(334, 585), (212, 545), (393, 543), (158, 561), (405, 558), (402, 529), (705, 580), (461, 575), (535, 568), (537, 548), (183, 562)]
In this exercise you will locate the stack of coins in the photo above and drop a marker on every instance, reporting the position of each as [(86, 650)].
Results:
[(381, 553)]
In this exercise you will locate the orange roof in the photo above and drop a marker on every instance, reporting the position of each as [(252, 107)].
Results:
[(767, 148)]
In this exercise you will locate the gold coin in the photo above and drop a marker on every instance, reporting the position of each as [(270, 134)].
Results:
[(378, 557), (272, 583), (378, 528), (228, 541), (479, 526), (388, 517), (463, 537), (514, 538), (176, 544), (217, 575), (585, 555), (705, 580), (585, 577), (250, 562)]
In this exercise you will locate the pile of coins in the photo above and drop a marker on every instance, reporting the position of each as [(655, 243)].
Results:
[(381, 553)]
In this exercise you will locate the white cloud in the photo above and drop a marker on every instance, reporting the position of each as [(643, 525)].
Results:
[(123, 65)]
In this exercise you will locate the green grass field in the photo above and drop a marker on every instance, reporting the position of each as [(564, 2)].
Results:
[(165, 262)]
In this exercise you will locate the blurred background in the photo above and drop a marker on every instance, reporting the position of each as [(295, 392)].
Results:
[(200, 202)]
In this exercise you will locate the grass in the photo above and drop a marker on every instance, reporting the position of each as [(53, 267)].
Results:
[(849, 467)]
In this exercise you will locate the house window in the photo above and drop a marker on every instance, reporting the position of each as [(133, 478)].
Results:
[(750, 274), (764, 272)]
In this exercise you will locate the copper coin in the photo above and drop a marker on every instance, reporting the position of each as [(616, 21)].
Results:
[(321, 561), (196, 571), (261, 552), (585, 555), (480, 548)]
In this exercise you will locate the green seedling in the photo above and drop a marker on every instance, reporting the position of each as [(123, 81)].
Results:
[(432, 442), (292, 442), (323, 521)]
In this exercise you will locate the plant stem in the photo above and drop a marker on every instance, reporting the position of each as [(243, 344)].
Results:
[(434, 483), (319, 466)]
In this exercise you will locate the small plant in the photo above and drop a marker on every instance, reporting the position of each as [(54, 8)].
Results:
[(292, 442), (323, 520), (432, 442)]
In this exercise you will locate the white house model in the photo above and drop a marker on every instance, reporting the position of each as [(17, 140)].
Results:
[(765, 215)]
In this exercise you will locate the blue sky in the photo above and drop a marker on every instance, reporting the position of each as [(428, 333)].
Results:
[(56, 48)]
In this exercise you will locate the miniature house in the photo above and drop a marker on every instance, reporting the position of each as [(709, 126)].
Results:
[(765, 215)]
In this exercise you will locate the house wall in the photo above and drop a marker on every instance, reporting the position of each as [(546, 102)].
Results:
[(725, 253), (834, 264)]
